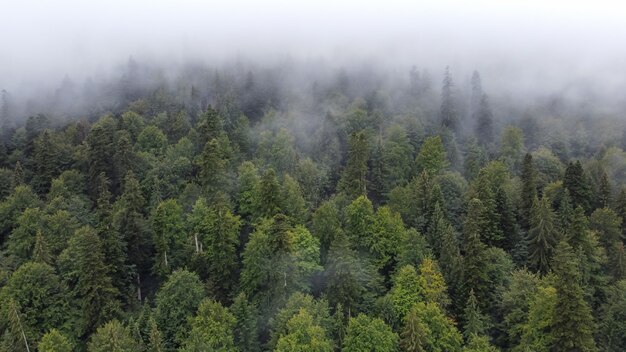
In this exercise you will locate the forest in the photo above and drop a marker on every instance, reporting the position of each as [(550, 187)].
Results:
[(253, 207)]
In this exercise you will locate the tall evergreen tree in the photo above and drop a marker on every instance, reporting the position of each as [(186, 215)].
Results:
[(577, 183), (83, 267), (354, 176), (528, 191), (541, 236), (448, 111), (573, 326), (484, 121)]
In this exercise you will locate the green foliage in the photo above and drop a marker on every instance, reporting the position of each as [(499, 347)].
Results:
[(84, 270), (426, 328), (432, 156), (177, 300), (41, 297), (168, 237), (303, 335), (369, 334), (55, 341), (573, 326), (354, 177), (542, 235), (211, 329), (112, 337)]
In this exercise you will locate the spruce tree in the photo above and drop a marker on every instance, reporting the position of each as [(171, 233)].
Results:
[(528, 191), (448, 111), (573, 326), (354, 176), (541, 236)]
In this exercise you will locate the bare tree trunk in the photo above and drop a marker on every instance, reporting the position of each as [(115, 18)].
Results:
[(138, 287), (195, 237), (17, 314), (166, 259)]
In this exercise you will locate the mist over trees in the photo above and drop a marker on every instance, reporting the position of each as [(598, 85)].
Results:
[(270, 178)]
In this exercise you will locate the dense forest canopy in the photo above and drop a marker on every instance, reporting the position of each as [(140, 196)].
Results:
[(444, 197), (228, 210)]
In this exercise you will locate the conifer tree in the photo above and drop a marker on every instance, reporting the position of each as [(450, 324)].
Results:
[(528, 191), (577, 183), (573, 326), (448, 111), (541, 236), (354, 176)]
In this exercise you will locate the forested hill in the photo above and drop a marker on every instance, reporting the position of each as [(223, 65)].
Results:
[(241, 211)]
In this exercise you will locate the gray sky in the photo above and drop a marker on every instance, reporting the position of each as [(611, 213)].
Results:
[(541, 41)]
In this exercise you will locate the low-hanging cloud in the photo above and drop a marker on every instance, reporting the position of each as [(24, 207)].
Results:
[(522, 46)]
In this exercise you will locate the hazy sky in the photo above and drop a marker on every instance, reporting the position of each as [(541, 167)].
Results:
[(535, 38)]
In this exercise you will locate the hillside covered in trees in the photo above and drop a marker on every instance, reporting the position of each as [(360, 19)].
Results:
[(241, 209)]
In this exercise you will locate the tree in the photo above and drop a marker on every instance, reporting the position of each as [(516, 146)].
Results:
[(449, 115), (359, 222), (304, 335), (215, 232), (83, 268), (512, 146), (211, 329), (406, 290), (112, 337), (291, 199), (612, 319), (177, 299), (528, 191), (369, 334), (325, 225), (245, 331), (354, 176), (475, 275), (541, 236), (269, 192), (426, 328), (484, 121), (168, 237), (475, 324), (55, 341), (577, 183), (214, 162), (247, 190), (129, 221), (277, 261), (573, 326), (41, 297), (155, 339), (536, 330), (432, 156)]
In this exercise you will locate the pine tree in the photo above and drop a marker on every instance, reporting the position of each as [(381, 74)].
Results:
[(269, 191), (414, 336), (214, 162), (448, 112), (129, 221), (484, 121), (168, 237), (573, 325), (474, 273), (18, 175), (432, 156), (354, 176), (83, 266), (541, 236), (41, 253), (155, 339), (55, 341), (604, 190), (528, 191), (246, 327), (475, 324), (577, 183)]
